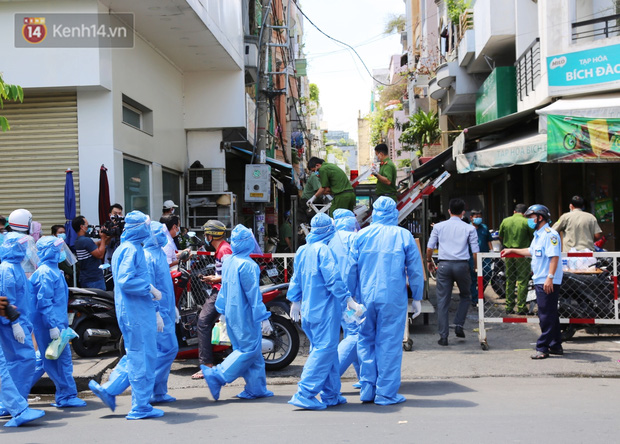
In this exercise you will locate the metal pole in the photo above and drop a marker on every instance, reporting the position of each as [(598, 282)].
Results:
[(294, 208), (263, 115)]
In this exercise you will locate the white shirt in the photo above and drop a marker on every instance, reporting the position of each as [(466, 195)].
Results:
[(170, 248)]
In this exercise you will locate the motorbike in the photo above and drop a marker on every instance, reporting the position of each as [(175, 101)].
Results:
[(93, 317), (279, 348)]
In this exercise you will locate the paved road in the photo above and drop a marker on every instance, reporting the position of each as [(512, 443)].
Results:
[(480, 410)]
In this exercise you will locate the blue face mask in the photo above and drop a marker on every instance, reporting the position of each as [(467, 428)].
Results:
[(63, 257), (90, 230), (477, 220), (62, 236), (531, 223)]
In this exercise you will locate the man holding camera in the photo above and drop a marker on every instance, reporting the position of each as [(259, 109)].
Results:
[(89, 254)]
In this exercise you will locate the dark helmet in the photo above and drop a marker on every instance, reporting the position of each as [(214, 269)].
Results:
[(540, 210), (214, 228)]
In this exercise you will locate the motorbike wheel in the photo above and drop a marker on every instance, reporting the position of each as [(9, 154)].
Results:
[(286, 344), (568, 331), (82, 348), (498, 284)]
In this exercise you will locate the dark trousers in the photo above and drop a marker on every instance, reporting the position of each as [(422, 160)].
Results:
[(449, 272), (206, 320), (550, 334)]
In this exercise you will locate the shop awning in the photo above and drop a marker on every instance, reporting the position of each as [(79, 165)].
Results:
[(517, 151), (435, 165), (603, 106), (283, 167)]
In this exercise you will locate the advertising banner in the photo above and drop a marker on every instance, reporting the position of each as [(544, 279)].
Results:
[(582, 139)]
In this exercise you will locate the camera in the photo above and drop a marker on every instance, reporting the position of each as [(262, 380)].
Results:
[(11, 313), (114, 227)]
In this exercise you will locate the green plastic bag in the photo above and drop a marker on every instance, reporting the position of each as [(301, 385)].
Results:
[(57, 346), (219, 335)]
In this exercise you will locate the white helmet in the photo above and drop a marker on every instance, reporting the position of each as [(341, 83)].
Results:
[(20, 220)]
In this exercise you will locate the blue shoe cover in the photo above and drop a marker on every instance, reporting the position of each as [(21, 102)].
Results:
[(357, 385), (3, 411), (383, 400), (162, 399), (333, 400), (306, 403), (212, 382), (246, 395), (107, 399), (24, 417), (153, 413), (367, 392), (71, 402)]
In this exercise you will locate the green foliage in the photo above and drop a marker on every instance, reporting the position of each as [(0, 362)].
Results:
[(314, 92), (381, 120), (395, 23), (404, 163), (421, 130), (456, 8), (11, 93)]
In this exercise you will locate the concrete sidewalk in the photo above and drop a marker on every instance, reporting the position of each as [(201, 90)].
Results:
[(510, 347)]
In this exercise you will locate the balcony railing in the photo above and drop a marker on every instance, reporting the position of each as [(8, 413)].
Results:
[(608, 26), (466, 22), (528, 70)]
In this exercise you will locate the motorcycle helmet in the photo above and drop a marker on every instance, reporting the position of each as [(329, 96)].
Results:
[(540, 210), (214, 228), (20, 220)]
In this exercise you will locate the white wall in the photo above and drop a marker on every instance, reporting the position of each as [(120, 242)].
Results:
[(492, 18), (526, 18), (49, 67), (205, 147), (214, 99)]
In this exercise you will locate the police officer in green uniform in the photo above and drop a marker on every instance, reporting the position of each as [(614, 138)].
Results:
[(385, 173), (335, 182), (515, 233)]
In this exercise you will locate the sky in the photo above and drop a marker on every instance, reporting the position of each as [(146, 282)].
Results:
[(344, 85)]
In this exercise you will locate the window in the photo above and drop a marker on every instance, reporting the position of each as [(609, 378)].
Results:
[(137, 115), (137, 186), (171, 188)]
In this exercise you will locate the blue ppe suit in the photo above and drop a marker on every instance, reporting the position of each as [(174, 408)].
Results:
[(241, 301), (20, 358), (346, 226), (382, 256), (135, 312), (167, 344), (14, 403), (51, 299), (317, 283)]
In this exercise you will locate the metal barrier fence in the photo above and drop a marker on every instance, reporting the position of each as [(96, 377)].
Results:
[(588, 294), (274, 269)]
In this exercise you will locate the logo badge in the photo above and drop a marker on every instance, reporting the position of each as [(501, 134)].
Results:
[(34, 29), (554, 240)]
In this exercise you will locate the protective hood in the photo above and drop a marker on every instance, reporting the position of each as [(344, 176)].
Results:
[(159, 236), (322, 229), (14, 247), (384, 211), (242, 241), (48, 249), (345, 220), (137, 227)]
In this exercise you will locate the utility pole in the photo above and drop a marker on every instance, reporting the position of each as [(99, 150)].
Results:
[(263, 113)]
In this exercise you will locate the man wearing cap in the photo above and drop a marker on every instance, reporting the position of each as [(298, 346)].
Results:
[(168, 208)]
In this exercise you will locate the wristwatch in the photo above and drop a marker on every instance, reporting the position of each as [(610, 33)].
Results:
[(550, 276)]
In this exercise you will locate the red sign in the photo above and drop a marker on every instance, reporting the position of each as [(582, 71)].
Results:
[(34, 30)]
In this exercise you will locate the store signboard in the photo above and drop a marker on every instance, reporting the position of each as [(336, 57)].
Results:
[(588, 70), (582, 139)]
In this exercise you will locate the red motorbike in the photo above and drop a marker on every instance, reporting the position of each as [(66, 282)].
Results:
[(279, 348)]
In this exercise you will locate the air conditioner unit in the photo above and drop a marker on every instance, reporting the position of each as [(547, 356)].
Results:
[(201, 180)]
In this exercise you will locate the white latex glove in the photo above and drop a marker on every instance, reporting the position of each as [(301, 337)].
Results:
[(417, 309), (54, 333), (374, 169), (156, 293), (177, 316), (358, 308), (295, 311), (312, 199), (160, 322), (266, 327), (18, 333)]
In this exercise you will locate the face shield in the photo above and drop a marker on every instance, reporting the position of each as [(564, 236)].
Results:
[(31, 260), (66, 255)]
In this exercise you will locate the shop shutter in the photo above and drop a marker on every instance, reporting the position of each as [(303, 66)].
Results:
[(35, 153)]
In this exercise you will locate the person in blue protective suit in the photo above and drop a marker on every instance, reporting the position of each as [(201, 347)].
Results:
[(383, 255), (16, 336), (11, 401), (137, 317), (50, 317), (346, 227), (167, 345), (247, 319), (318, 292)]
